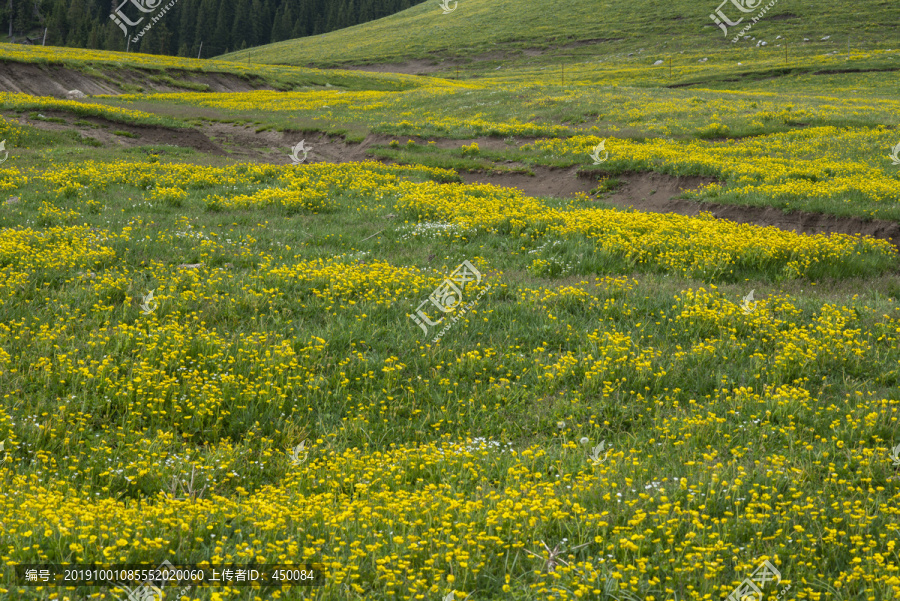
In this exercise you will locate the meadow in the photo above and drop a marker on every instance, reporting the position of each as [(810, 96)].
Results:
[(206, 360)]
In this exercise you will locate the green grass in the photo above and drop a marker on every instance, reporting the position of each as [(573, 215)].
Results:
[(451, 401), (735, 435), (118, 68), (518, 105), (505, 28)]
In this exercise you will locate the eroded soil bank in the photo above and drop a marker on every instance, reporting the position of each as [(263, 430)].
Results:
[(654, 192)]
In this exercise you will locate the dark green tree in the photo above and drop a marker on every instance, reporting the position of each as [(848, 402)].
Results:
[(221, 38), (242, 28), (205, 24), (187, 27), (282, 27), (219, 24)]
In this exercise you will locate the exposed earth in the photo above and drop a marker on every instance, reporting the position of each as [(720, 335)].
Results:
[(653, 192), (58, 80)]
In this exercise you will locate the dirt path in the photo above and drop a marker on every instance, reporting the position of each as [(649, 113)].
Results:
[(654, 192)]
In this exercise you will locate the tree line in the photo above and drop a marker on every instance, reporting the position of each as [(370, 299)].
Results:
[(219, 25)]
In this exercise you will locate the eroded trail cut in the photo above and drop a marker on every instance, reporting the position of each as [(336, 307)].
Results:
[(658, 192), (56, 80), (653, 192)]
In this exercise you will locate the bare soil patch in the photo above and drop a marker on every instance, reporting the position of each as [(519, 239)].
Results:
[(801, 222), (644, 191), (656, 192), (274, 147), (56, 80), (103, 131), (484, 142), (47, 80), (245, 143), (653, 192), (560, 183), (241, 142)]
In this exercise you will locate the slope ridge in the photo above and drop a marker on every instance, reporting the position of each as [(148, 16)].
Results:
[(475, 27)]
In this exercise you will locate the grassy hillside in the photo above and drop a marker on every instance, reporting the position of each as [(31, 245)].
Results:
[(217, 364), (131, 71), (483, 26), (213, 350)]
